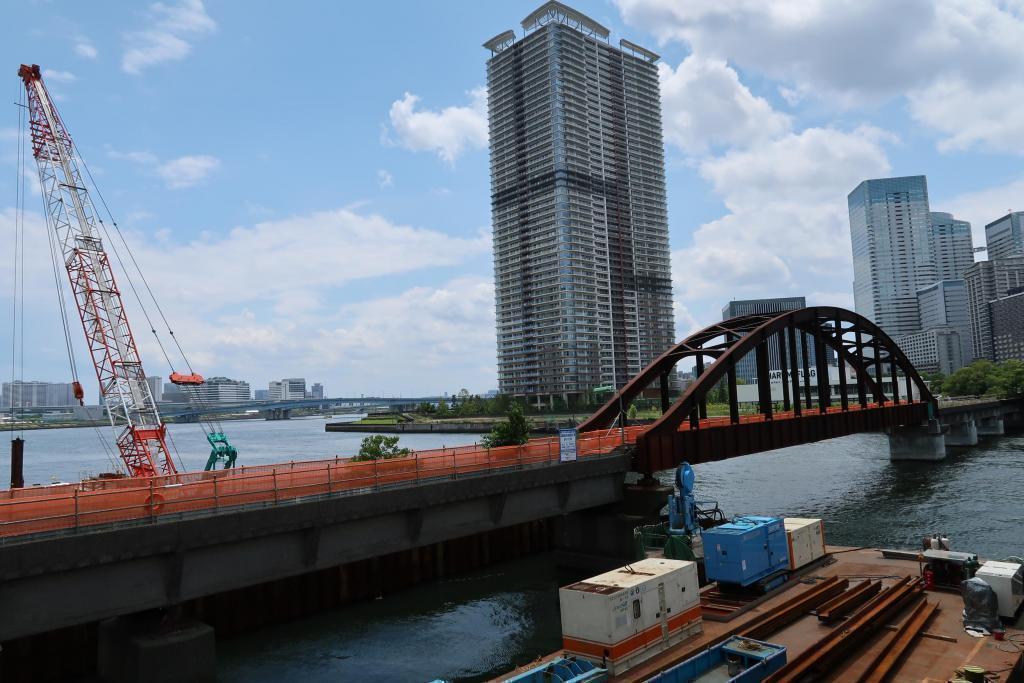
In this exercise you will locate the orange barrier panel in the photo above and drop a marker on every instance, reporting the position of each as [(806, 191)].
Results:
[(107, 501)]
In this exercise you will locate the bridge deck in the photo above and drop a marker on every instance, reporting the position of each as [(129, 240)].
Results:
[(71, 507)]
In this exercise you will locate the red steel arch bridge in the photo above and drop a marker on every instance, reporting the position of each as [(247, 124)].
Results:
[(883, 391)]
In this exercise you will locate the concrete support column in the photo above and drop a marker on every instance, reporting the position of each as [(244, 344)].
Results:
[(991, 426), (151, 648), (917, 442), (963, 433)]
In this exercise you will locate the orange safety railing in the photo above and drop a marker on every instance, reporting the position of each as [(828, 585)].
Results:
[(109, 501)]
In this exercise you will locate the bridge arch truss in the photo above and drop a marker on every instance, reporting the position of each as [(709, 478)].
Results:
[(807, 412)]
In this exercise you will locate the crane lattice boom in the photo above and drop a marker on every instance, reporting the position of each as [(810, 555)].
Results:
[(72, 218)]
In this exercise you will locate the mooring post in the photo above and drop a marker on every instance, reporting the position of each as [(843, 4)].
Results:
[(17, 463)]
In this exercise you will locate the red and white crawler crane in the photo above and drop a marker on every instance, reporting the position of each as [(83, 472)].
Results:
[(71, 217)]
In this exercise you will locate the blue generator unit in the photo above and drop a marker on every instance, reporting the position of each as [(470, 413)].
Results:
[(745, 550)]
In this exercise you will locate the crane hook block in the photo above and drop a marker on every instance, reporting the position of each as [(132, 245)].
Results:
[(194, 379), (79, 392)]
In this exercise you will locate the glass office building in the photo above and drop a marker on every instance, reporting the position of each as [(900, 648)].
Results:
[(892, 251), (583, 290), (952, 246), (1003, 236)]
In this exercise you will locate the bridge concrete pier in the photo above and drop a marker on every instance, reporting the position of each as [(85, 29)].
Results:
[(991, 426), (277, 414), (601, 539), (917, 442), (152, 648), (964, 433)]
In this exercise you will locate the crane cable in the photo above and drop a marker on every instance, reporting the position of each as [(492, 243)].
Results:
[(19, 248), (192, 393)]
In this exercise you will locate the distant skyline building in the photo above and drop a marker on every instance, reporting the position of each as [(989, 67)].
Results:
[(317, 390), (892, 250), (987, 281), (222, 390), (260, 394), (583, 289), (172, 393), (952, 246), (944, 305), (156, 387), (1008, 326), (1004, 237), (275, 391), (746, 368), (938, 349), (35, 394), (293, 388)]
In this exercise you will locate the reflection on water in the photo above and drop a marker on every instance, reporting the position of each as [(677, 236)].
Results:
[(482, 625), (469, 628)]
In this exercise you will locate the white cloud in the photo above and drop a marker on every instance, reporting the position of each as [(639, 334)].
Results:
[(270, 308), (787, 229), (958, 61), (187, 171), (425, 340), (972, 115), (54, 76), (448, 132), (172, 29), (134, 156), (85, 48), (384, 178), (326, 249), (704, 105)]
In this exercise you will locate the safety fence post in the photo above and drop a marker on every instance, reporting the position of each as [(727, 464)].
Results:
[(152, 500), (549, 451), (216, 499), (417, 461), (76, 508), (376, 476), (488, 459), (274, 472)]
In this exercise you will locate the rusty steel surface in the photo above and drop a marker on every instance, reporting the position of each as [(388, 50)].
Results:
[(859, 594), (888, 657), (840, 642), (684, 431), (934, 655)]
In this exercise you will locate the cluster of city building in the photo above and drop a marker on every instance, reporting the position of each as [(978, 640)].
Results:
[(581, 252), (215, 391), (916, 277)]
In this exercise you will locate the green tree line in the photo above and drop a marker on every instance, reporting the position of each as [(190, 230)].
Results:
[(981, 378)]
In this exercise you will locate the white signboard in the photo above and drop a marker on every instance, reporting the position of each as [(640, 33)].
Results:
[(567, 444)]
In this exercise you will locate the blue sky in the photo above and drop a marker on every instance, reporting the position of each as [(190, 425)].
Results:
[(307, 185)]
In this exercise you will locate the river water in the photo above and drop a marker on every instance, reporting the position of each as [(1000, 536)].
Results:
[(477, 626), (474, 627), (71, 454)]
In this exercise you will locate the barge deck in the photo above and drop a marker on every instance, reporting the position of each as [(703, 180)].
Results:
[(936, 654)]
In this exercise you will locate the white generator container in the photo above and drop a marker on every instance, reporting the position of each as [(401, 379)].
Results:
[(621, 617), (806, 540), (1007, 580)]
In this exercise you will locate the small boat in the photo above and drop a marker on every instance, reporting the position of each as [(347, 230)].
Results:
[(736, 660)]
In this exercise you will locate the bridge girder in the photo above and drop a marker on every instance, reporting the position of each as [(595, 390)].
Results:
[(857, 342)]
